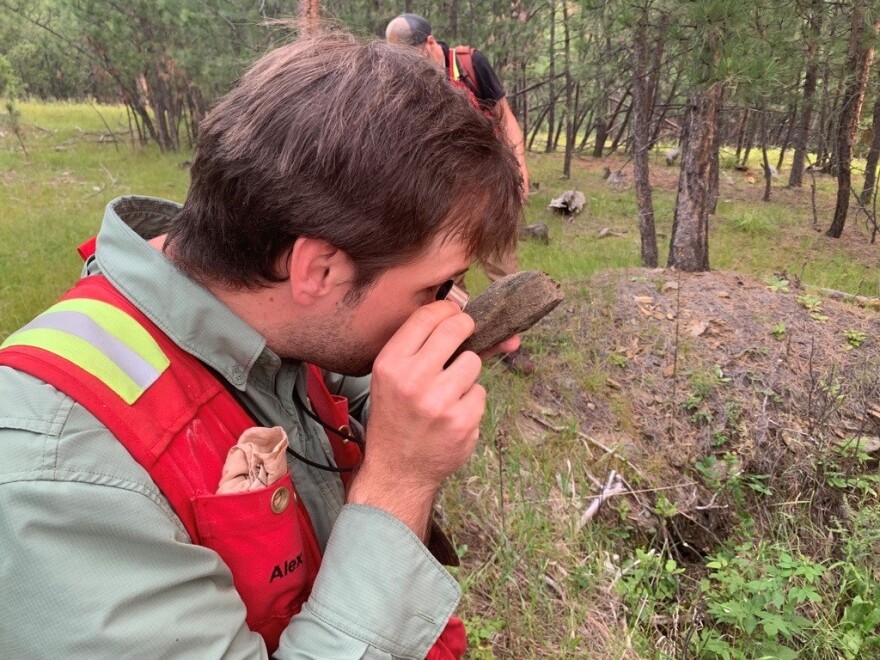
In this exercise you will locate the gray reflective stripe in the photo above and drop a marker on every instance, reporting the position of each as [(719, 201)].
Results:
[(82, 326)]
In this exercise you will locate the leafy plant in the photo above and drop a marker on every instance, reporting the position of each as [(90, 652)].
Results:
[(647, 582), (854, 338), (778, 331), (776, 283), (757, 596), (664, 508), (813, 304), (480, 633)]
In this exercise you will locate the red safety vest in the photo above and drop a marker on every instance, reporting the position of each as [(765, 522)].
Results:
[(460, 69), (179, 422)]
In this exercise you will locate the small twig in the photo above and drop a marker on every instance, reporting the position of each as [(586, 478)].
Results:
[(107, 126), (614, 452), (675, 356), (554, 587), (612, 487), (543, 422), (109, 175), (812, 171)]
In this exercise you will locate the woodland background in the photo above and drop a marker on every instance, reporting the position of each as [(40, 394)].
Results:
[(606, 76)]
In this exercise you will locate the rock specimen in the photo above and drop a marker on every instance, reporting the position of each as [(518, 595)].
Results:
[(510, 306)]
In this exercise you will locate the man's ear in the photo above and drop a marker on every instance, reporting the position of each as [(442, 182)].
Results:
[(317, 269)]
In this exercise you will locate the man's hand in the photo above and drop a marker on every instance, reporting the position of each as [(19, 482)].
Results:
[(424, 419)]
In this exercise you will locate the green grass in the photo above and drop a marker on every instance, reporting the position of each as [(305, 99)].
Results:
[(54, 199)]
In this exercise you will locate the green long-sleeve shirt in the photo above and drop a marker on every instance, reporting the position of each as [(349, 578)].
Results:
[(93, 561)]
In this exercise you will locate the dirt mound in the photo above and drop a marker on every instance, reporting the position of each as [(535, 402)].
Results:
[(710, 393)]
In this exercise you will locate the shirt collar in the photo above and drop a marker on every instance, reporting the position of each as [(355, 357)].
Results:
[(188, 313)]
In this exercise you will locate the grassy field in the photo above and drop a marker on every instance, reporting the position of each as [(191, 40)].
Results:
[(536, 584)]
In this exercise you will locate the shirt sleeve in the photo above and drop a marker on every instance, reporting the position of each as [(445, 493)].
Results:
[(489, 88), (95, 563)]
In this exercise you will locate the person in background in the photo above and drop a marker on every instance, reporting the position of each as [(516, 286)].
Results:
[(226, 439), (468, 68)]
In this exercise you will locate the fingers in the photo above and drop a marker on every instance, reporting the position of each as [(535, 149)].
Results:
[(413, 334), (461, 375), (447, 337)]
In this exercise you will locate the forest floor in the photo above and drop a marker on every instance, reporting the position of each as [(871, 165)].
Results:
[(727, 418)]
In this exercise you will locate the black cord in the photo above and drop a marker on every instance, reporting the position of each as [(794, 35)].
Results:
[(318, 466), (351, 437), (355, 438)]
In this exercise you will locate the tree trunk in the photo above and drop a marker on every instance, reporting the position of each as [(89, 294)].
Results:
[(551, 87), (452, 28), (768, 177), (802, 138), (741, 135), (715, 157), (642, 110), (787, 140), (587, 125), (689, 244), (569, 97), (873, 153), (560, 124), (750, 141), (623, 127), (822, 141), (601, 133), (859, 58)]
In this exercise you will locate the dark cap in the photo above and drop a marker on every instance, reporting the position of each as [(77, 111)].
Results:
[(410, 29)]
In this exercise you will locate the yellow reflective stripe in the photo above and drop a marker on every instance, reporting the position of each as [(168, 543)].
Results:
[(82, 354), (455, 74), (120, 325)]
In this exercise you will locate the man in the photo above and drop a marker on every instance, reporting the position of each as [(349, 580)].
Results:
[(306, 236), (468, 68)]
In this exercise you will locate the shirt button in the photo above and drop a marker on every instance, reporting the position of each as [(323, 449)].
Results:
[(280, 499), (238, 375)]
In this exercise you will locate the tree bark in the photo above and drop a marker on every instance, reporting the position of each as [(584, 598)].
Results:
[(453, 19), (768, 177), (787, 139), (741, 135), (859, 58), (715, 157), (551, 88), (569, 96), (802, 138), (642, 101), (873, 152), (601, 132), (689, 244)]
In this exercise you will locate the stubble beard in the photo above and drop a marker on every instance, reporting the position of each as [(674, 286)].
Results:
[(328, 346)]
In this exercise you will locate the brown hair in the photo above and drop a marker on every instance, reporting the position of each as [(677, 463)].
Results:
[(363, 145)]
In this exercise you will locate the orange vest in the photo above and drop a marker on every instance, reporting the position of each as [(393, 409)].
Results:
[(179, 422)]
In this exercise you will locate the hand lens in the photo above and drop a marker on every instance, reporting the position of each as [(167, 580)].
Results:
[(450, 291)]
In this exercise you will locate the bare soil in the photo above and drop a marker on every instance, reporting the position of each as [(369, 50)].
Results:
[(758, 384)]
